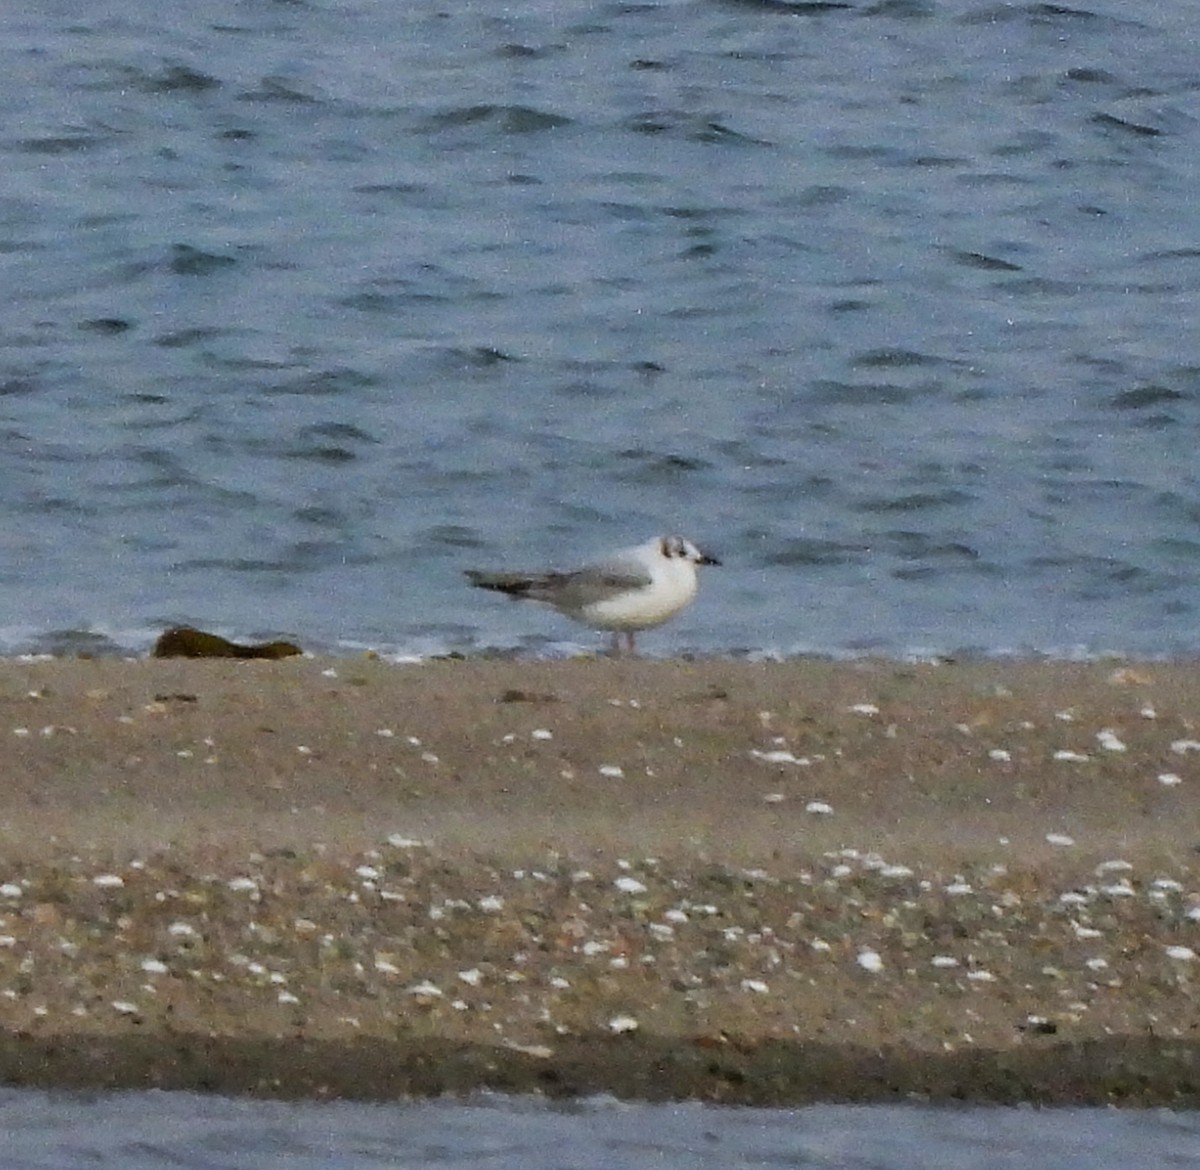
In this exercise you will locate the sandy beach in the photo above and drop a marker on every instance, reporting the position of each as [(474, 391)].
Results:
[(764, 883)]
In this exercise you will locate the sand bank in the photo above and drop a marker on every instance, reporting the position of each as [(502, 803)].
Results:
[(741, 882)]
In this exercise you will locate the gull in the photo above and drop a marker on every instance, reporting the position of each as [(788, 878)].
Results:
[(626, 591)]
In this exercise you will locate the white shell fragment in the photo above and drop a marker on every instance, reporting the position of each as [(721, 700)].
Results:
[(400, 841), (869, 960), (427, 990), (780, 756)]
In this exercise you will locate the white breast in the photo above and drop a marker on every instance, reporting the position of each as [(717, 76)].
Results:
[(672, 586)]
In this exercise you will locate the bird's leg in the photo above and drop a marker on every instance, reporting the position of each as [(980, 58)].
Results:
[(629, 642), (616, 644)]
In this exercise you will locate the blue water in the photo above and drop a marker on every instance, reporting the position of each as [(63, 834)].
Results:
[(306, 307), (156, 1131)]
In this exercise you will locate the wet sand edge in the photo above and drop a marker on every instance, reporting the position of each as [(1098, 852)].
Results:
[(1123, 1071)]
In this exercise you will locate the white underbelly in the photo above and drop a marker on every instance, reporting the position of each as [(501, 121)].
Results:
[(637, 610)]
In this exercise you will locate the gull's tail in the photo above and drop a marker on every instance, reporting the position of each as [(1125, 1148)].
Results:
[(514, 584)]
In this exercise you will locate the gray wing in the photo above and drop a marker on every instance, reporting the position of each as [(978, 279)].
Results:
[(595, 583), (573, 590)]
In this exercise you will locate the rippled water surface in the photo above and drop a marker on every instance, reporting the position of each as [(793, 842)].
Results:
[(155, 1131), (309, 306)]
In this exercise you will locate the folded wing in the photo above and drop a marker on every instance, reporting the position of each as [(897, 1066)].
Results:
[(570, 591)]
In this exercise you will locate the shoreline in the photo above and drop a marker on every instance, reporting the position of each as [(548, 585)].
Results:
[(764, 883), (1122, 1072)]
